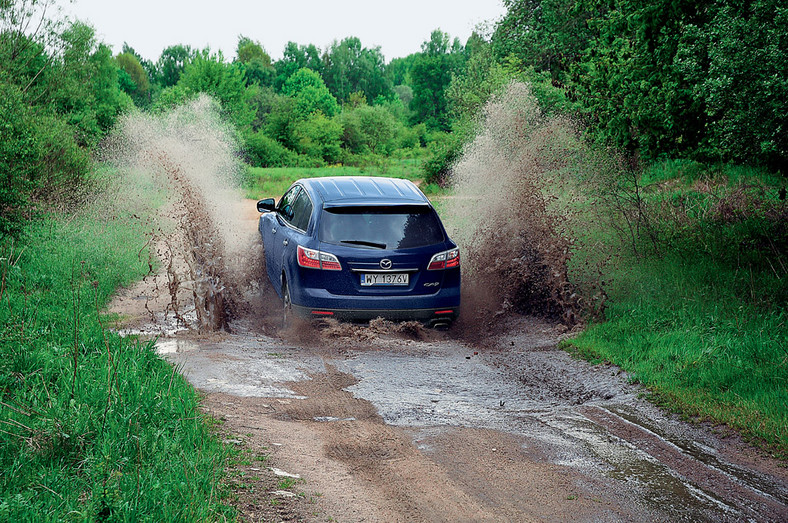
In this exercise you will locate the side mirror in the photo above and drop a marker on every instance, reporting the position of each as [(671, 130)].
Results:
[(267, 205)]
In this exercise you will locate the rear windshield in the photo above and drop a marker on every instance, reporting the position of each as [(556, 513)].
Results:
[(393, 227)]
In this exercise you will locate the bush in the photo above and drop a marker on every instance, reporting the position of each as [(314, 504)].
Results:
[(444, 154), (263, 151), (39, 160), (318, 136)]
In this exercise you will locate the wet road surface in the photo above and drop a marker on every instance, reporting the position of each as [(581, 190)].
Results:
[(517, 431)]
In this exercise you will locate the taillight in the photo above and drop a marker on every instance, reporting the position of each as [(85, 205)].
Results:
[(445, 260), (329, 262), (314, 259), (452, 258)]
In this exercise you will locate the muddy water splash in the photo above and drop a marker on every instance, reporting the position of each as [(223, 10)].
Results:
[(188, 156), (512, 210)]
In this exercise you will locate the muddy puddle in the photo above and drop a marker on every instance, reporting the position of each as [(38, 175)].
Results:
[(587, 421)]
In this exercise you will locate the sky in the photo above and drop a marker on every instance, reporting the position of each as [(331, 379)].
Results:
[(399, 27)]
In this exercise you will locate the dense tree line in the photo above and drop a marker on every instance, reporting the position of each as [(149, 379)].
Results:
[(61, 91), (702, 80), (59, 94), (698, 79)]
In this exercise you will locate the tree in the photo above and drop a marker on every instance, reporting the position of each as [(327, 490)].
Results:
[(348, 67), (248, 50), (398, 69), (256, 63), (368, 129), (317, 136), (548, 35), (58, 91), (208, 73), (735, 68), (172, 63), (303, 118), (431, 73), (147, 65), (310, 94), (702, 80), (139, 89), (86, 89), (39, 159), (296, 57), (481, 78), (379, 128)]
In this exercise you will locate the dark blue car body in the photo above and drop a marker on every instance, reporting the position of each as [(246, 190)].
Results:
[(357, 248)]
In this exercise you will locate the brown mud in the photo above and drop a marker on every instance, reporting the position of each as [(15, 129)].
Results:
[(380, 426)]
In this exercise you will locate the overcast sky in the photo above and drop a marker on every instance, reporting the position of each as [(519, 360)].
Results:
[(398, 27)]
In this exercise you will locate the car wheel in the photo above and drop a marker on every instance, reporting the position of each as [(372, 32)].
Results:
[(287, 310)]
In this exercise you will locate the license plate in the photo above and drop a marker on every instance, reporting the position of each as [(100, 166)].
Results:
[(388, 278)]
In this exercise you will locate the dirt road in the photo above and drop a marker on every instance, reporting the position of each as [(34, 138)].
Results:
[(380, 426), (385, 423)]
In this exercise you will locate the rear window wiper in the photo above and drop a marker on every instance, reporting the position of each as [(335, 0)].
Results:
[(366, 243)]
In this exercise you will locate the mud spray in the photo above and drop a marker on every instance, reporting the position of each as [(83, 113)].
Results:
[(184, 164), (514, 213)]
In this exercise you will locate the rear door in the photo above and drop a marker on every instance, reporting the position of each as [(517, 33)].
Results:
[(295, 222), (275, 237)]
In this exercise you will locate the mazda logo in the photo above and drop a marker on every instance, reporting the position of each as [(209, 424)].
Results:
[(385, 264)]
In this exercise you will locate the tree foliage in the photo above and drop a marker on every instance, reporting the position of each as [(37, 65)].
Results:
[(40, 161), (702, 80), (348, 67), (59, 95), (255, 62), (138, 85), (369, 129), (310, 94), (296, 57), (172, 63), (208, 73), (430, 75)]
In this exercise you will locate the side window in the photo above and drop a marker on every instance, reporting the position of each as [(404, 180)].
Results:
[(302, 210), (285, 207)]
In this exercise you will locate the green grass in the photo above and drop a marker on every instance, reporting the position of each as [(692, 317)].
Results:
[(272, 182), (94, 426), (703, 324)]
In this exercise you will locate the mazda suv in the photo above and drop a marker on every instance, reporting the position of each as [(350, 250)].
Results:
[(357, 248)]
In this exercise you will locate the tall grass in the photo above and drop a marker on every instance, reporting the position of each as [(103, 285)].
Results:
[(92, 425), (701, 320)]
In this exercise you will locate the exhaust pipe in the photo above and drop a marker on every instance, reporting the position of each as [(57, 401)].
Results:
[(440, 325)]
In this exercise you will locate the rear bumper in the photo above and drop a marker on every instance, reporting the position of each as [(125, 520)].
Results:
[(443, 305), (437, 315)]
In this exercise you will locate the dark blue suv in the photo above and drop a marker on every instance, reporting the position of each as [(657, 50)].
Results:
[(356, 248)]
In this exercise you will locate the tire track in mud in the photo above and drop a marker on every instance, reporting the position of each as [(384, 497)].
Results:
[(738, 492)]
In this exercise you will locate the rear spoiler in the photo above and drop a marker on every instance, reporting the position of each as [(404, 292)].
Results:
[(354, 204)]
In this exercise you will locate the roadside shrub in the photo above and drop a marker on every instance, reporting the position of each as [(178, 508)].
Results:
[(263, 151), (444, 154), (40, 163), (743, 225)]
